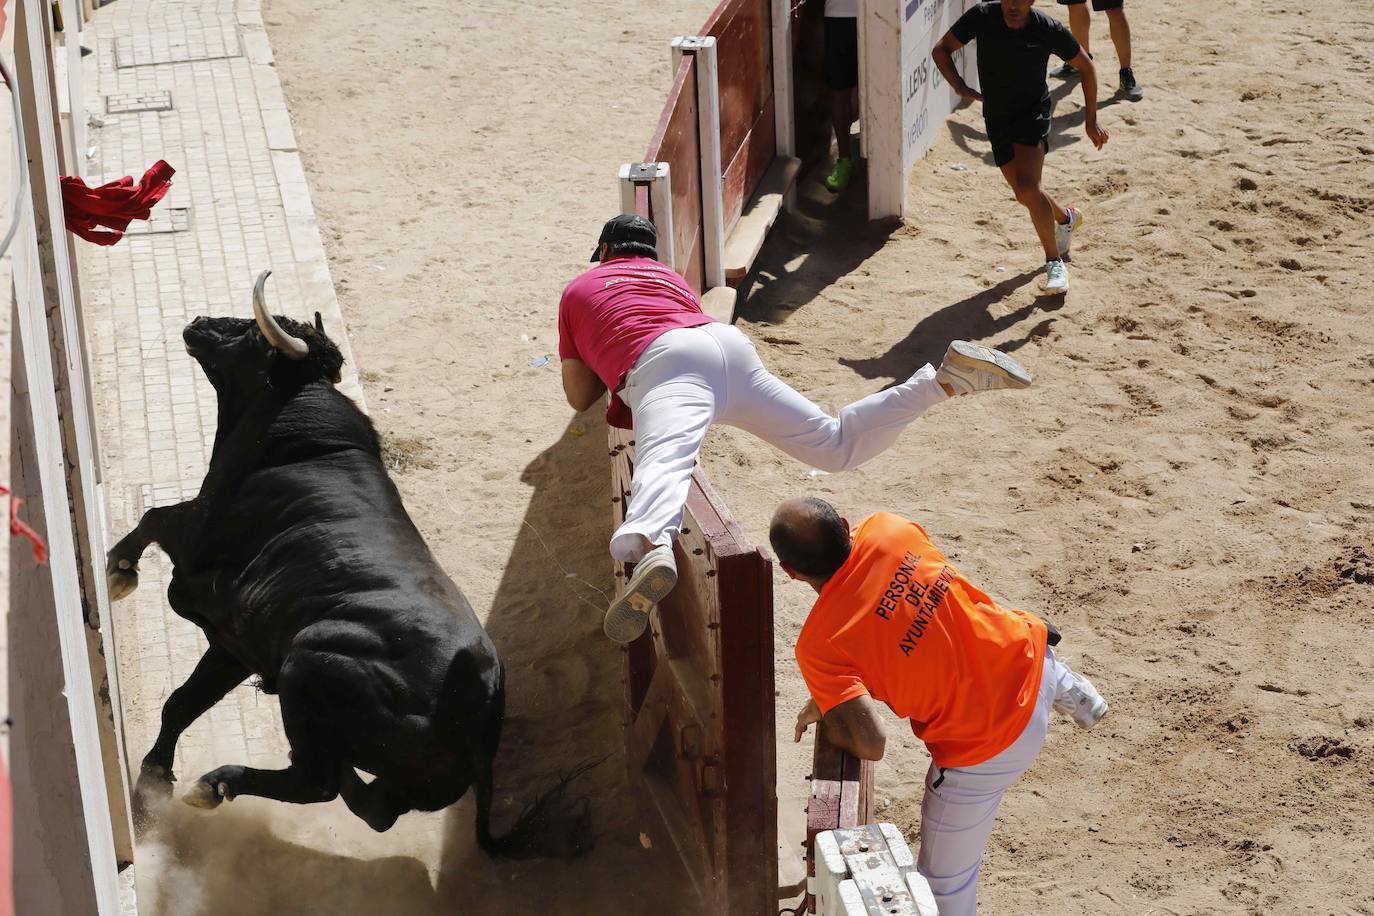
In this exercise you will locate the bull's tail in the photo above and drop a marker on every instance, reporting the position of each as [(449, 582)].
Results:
[(549, 826)]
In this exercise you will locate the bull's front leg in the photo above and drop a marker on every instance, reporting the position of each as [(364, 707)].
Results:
[(215, 675), (161, 526)]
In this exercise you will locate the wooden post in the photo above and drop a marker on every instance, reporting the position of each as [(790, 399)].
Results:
[(47, 319), (841, 796), (711, 168), (656, 175)]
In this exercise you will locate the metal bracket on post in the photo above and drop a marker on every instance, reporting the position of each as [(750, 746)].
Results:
[(712, 169), (656, 175), (784, 118)]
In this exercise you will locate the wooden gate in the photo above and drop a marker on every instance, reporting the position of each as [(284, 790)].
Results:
[(699, 703)]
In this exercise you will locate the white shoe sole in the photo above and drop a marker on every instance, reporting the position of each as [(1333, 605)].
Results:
[(964, 355), (628, 615), (1056, 291)]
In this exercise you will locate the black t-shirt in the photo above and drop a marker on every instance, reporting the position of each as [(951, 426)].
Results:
[(1012, 63)]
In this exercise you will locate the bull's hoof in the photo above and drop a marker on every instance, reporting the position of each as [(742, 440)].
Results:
[(151, 793), (155, 781), (205, 796), (121, 578)]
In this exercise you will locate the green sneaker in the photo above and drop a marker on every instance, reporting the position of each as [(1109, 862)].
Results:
[(841, 175)]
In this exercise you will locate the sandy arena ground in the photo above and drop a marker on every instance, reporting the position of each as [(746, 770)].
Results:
[(1186, 491)]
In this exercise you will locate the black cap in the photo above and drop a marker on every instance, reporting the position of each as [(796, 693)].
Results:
[(628, 227)]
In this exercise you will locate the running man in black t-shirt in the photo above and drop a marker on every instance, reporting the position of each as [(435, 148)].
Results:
[(1014, 48)]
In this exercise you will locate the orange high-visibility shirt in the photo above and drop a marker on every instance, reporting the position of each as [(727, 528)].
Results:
[(899, 623)]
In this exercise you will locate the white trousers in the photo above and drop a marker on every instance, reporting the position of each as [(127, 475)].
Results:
[(960, 805), (689, 378)]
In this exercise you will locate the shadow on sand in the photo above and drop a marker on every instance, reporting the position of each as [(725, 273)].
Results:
[(564, 706), (784, 278), (967, 319)]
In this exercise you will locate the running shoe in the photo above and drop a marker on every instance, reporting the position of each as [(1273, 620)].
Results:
[(1063, 232), (841, 175), (1065, 72), (1129, 87), (1056, 281), (652, 580), (969, 368), (1082, 703)]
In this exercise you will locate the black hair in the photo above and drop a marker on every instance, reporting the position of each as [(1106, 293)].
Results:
[(632, 250), (816, 548)]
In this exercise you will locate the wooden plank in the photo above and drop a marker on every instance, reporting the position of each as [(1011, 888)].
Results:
[(748, 128), (751, 231), (744, 48), (678, 144)]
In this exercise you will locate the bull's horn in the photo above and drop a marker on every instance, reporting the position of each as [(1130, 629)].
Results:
[(290, 347)]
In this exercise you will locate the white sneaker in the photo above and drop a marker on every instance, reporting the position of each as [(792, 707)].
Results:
[(1063, 232), (1082, 703), (1056, 281), (968, 368), (654, 577)]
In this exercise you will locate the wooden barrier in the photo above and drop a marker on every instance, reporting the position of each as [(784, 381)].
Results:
[(677, 142), (700, 703), (841, 796), (748, 133)]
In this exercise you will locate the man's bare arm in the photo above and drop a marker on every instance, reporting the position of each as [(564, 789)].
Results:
[(855, 726), (581, 385), (1087, 73), (943, 55)]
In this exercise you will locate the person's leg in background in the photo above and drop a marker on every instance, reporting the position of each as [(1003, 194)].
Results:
[(1023, 172), (1121, 38), (1080, 24), (842, 80)]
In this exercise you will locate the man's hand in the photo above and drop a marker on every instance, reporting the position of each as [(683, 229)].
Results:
[(810, 715), (964, 92), (1095, 133)]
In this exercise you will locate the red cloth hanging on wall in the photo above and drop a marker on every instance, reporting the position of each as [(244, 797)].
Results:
[(21, 528), (112, 206)]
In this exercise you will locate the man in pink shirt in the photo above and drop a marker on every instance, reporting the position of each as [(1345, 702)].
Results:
[(632, 326)]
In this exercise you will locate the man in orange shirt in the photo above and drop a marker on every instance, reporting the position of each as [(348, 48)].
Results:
[(896, 623)]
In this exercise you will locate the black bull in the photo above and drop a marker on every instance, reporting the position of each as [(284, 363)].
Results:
[(300, 564)]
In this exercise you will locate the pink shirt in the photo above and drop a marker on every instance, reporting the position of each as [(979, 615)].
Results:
[(611, 313)]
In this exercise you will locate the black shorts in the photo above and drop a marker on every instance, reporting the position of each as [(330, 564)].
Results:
[(1031, 128), (841, 53), (1099, 5)]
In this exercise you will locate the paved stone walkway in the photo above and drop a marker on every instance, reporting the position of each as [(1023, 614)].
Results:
[(192, 82)]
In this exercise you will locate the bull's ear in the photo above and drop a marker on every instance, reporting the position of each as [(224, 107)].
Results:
[(319, 323)]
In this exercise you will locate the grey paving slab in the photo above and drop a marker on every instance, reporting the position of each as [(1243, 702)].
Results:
[(239, 204)]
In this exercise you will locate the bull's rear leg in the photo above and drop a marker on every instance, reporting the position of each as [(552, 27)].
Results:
[(162, 526), (313, 775), (369, 800)]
